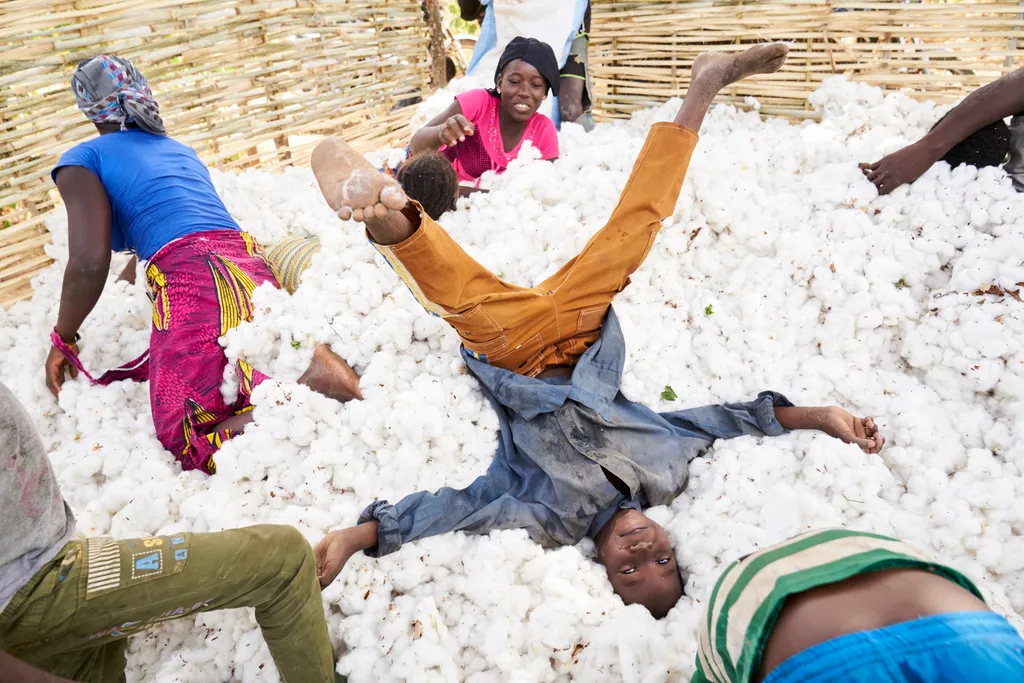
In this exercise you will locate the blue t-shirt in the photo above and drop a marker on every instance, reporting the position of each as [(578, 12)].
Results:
[(159, 190)]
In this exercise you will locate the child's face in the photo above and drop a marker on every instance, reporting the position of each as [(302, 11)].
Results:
[(635, 551)]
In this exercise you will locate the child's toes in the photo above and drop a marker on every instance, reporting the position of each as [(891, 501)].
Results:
[(357, 215), (393, 198), (345, 213), (380, 211)]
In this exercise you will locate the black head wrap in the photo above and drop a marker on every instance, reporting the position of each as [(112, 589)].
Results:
[(537, 54)]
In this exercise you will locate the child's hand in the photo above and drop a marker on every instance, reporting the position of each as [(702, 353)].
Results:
[(56, 366), (840, 424), (332, 553)]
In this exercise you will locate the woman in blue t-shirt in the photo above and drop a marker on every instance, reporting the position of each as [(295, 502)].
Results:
[(134, 189)]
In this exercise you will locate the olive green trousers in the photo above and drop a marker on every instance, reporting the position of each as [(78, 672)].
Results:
[(74, 616)]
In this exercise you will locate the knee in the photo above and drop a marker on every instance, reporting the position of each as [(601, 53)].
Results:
[(285, 543), (288, 539)]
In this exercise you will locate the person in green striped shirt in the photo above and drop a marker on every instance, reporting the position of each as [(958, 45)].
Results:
[(839, 605)]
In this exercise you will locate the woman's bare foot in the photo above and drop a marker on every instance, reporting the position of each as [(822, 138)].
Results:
[(351, 185), (330, 375), (128, 274), (716, 70)]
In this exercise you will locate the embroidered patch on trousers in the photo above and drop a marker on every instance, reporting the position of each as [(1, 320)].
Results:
[(104, 566), (112, 565)]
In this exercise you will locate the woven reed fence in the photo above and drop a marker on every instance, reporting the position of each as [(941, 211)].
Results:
[(254, 82), (244, 82), (641, 52)]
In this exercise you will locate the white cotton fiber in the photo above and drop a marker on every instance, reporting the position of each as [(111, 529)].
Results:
[(781, 269)]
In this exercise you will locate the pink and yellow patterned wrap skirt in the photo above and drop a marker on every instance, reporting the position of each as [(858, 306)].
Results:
[(201, 286)]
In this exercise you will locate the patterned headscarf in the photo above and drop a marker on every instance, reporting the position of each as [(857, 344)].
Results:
[(110, 89)]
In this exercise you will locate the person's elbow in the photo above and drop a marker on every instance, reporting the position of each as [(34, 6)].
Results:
[(419, 142), (90, 267)]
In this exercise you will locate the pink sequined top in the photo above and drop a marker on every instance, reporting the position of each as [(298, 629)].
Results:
[(484, 151)]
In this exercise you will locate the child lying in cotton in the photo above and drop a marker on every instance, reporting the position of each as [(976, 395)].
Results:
[(575, 458), (838, 605)]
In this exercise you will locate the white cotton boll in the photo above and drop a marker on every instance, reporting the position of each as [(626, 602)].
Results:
[(803, 277)]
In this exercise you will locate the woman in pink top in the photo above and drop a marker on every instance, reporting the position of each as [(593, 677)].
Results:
[(483, 130)]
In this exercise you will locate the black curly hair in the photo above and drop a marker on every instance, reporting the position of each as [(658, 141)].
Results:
[(986, 146), (430, 179)]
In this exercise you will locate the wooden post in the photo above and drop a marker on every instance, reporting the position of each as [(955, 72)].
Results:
[(437, 70)]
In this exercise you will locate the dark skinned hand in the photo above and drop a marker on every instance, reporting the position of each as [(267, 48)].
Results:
[(56, 367), (898, 168), (455, 130), (570, 98)]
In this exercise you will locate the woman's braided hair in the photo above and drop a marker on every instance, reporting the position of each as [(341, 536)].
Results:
[(430, 179)]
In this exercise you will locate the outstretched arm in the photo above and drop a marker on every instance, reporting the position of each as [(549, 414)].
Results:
[(449, 128), (89, 245), (771, 414), (835, 422), (489, 503), (985, 105)]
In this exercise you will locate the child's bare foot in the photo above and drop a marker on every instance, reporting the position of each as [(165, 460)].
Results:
[(715, 70), (330, 375), (351, 185)]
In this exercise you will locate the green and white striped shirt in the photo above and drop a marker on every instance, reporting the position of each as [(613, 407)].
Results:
[(748, 597)]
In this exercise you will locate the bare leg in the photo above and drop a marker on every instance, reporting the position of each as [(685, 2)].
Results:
[(236, 423), (357, 190), (128, 274), (713, 71), (330, 375)]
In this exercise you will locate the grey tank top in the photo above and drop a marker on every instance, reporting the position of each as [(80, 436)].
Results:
[(37, 521)]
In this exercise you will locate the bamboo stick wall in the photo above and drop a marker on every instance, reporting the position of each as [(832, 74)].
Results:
[(641, 52), (255, 82), (244, 82)]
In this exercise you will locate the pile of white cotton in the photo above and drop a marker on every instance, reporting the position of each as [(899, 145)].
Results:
[(781, 269)]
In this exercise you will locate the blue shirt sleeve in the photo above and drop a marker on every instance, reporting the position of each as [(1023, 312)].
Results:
[(88, 158), (483, 506), (730, 420), (79, 155)]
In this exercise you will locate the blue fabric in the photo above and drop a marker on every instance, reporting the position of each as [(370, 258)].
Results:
[(577, 22), (556, 436), (158, 189), (577, 18), (980, 647), (486, 40)]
